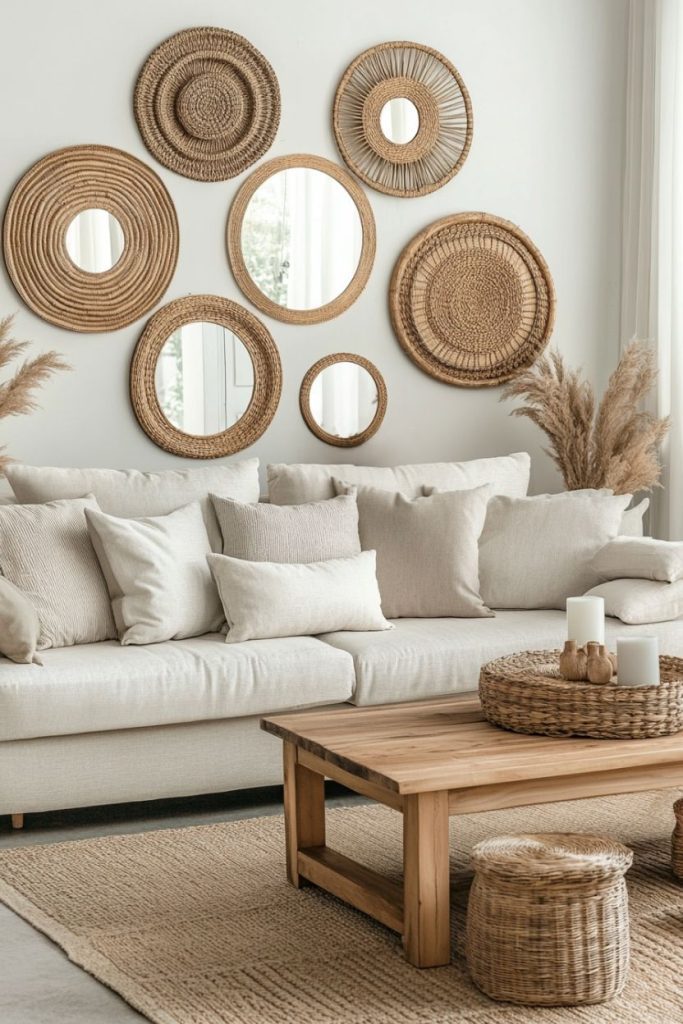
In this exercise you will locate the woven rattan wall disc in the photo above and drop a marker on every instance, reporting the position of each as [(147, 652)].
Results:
[(305, 400), (265, 359), (441, 144), (42, 206), (472, 300), (207, 104)]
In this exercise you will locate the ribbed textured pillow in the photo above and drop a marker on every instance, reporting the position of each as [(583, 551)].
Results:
[(46, 552), (156, 571), (314, 532), (641, 558), (19, 625)]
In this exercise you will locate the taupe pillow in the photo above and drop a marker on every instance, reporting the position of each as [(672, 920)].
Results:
[(314, 532), (19, 625), (427, 550), (640, 558), (46, 552), (536, 552), (638, 602)]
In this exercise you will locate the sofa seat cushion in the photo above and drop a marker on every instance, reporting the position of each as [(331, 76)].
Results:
[(423, 658), (103, 686)]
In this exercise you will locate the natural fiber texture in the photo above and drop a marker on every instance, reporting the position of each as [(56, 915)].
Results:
[(305, 400), (199, 926), (547, 920), (525, 693), (207, 104), (234, 239), (616, 446), (42, 206), (426, 78), (267, 377), (677, 841), (472, 300)]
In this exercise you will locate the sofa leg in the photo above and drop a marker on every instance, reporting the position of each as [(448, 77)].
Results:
[(17, 821)]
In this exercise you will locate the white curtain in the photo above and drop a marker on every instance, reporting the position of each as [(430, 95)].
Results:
[(652, 263)]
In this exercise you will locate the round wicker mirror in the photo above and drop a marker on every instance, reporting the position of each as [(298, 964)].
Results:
[(205, 379), (343, 399), (403, 119), (301, 239)]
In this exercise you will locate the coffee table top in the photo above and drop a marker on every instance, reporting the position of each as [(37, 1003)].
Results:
[(446, 744)]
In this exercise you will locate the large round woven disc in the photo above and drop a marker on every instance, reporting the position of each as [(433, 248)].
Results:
[(40, 210), (441, 144), (207, 103), (472, 300)]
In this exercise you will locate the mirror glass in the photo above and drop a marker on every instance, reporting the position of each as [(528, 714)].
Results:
[(204, 378), (399, 120), (94, 240), (301, 238), (343, 399)]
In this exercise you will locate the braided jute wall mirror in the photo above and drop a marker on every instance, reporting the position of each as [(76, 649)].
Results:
[(206, 378), (301, 239), (207, 103), (472, 300), (402, 118), (90, 238), (343, 399)]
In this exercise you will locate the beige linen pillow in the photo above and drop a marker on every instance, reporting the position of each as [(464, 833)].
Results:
[(156, 571), (507, 474), (632, 519), (262, 600), (427, 550), (46, 552), (640, 558), (19, 625), (314, 532), (536, 552), (130, 494), (638, 602)]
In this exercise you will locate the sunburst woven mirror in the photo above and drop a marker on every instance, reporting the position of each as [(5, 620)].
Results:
[(207, 103), (402, 117), (472, 300)]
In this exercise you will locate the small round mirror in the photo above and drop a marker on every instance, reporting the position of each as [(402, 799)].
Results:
[(204, 378), (399, 120), (343, 399), (94, 241)]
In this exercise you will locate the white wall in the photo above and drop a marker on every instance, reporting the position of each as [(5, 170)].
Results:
[(546, 79)]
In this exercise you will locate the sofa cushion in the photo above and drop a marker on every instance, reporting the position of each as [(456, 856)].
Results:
[(423, 658), (99, 687)]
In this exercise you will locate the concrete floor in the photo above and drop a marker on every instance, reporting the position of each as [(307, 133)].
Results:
[(38, 984)]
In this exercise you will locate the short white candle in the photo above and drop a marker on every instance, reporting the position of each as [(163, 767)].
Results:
[(586, 620), (638, 661)]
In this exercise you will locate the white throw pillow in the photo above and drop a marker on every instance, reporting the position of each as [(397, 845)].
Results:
[(638, 602), (19, 625), (314, 532), (262, 600), (156, 571), (641, 558), (632, 519), (536, 552), (46, 552), (427, 550), (295, 484), (130, 494)]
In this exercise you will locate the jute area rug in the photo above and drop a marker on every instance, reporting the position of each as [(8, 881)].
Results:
[(198, 926)]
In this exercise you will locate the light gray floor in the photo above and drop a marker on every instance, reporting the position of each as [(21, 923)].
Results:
[(38, 984)]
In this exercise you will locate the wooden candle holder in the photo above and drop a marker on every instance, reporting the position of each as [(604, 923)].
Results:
[(592, 663)]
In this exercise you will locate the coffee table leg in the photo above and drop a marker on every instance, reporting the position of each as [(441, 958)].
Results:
[(426, 883), (304, 810)]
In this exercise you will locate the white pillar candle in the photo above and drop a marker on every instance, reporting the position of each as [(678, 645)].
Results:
[(638, 661), (586, 620)]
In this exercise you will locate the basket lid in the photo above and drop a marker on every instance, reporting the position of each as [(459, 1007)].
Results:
[(552, 853)]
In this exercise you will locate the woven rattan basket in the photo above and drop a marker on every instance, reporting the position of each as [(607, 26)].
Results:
[(547, 919), (525, 693), (677, 841)]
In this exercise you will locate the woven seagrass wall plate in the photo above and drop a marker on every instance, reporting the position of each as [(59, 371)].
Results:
[(368, 403), (472, 300), (265, 373), (207, 104), (301, 239), (41, 209), (394, 160)]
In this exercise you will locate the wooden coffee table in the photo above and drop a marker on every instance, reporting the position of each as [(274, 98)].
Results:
[(429, 760)]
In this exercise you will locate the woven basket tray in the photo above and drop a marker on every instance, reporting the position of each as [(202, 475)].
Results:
[(525, 693)]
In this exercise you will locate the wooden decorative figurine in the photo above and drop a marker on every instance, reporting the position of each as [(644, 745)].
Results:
[(598, 664), (569, 662)]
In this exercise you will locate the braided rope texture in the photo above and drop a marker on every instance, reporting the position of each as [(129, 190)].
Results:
[(305, 400)]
